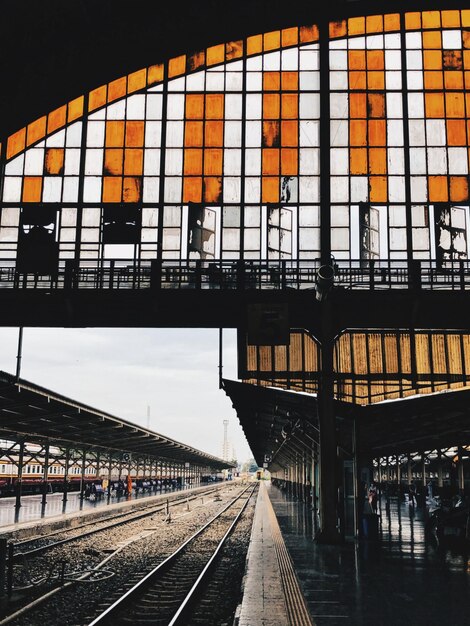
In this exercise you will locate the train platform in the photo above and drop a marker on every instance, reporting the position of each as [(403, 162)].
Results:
[(54, 515), (400, 579)]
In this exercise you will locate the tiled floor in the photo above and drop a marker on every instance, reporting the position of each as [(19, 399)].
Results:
[(401, 579)]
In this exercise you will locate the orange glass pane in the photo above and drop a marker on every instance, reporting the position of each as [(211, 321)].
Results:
[(193, 134), (356, 26), (289, 106), (155, 74), (213, 162), (391, 22), (377, 133), (214, 106), (358, 132), (271, 137), (212, 189), (377, 161), (135, 134), (112, 189), (137, 80), (56, 119), (434, 104), (467, 81), (114, 134), (450, 19), (270, 161), (117, 89), (357, 105), (196, 60), (289, 81), (214, 134), (465, 15), (32, 188), (378, 189), (193, 162), (358, 160), (412, 21), (272, 41), (113, 161), (456, 135), (376, 80), (16, 143), (132, 189), (289, 133), (289, 162), (54, 161), (97, 98), (467, 103), (466, 59), (309, 33), (254, 45), (133, 162), (357, 80), (432, 60), (338, 29), (437, 186), (75, 109), (234, 50), (375, 60), (271, 106), (376, 105), (357, 59), (177, 66), (374, 24), (192, 189), (431, 19), (36, 130), (452, 59), (271, 81), (269, 189), (466, 39), (433, 80), (289, 37), (455, 104), (432, 39), (458, 188), (215, 54), (194, 106)]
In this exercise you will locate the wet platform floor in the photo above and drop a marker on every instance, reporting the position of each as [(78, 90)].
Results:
[(402, 579)]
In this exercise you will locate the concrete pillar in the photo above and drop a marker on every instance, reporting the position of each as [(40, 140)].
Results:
[(82, 478), (66, 479), (423, 467), (409, 472)]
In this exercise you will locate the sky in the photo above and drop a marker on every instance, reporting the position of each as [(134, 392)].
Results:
[(123, 371)]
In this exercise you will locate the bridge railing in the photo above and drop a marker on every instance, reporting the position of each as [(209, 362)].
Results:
[(122, 274)]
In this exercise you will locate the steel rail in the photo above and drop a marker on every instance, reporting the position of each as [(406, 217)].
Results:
[(109, 615), (116, 522)]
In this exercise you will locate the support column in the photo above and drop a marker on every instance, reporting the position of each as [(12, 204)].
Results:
[(110, 467), (461, 472), (45, 478), (410, 475), (440, 473), (19, 479), (66, 479), (82, 478), (326, 417)]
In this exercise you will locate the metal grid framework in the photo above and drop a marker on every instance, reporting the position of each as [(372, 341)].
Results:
[(369, 366), (221, 154), (30, 413)]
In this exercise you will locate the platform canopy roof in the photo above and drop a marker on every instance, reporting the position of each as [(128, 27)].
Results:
[(280, 423), (35, 414)]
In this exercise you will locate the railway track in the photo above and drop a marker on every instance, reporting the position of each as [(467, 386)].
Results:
[(44, 593), (20, 553), (165, 595)]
